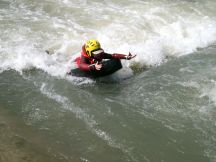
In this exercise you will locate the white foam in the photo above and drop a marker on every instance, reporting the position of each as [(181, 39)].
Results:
[(152, 30), (180, 37)]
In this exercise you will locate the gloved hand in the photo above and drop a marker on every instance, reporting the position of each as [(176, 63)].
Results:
[(130, 56), (98, 66)]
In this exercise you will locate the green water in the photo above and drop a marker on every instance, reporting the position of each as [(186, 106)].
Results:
[(157, 115)]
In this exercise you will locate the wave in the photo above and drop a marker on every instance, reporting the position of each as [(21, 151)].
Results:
[(153, 30)]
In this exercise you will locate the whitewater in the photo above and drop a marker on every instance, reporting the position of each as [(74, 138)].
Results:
[(161, 106)]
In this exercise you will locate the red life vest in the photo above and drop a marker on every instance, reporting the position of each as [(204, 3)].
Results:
[(84, 54)]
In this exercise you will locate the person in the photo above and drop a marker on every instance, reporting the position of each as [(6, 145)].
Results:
[(92, 55)]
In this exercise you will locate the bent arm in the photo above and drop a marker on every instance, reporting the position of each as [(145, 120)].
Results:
[(119, 56), (85, 65)]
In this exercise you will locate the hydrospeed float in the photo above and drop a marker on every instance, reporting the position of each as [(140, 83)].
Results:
[(108, 67)]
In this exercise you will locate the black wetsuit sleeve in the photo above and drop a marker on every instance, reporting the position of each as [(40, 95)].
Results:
[(107, 56)]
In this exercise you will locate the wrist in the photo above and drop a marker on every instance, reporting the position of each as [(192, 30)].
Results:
[(92, 68)]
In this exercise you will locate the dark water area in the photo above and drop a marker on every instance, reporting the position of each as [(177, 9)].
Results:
[(21, 143)]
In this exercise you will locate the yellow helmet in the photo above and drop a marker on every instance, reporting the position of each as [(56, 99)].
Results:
[(92, 45)]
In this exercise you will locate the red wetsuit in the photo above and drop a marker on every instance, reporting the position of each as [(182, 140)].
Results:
[(86, 63)]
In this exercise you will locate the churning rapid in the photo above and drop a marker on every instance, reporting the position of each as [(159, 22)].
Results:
[(161, 106)]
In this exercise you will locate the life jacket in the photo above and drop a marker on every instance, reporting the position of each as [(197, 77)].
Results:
[(84, 54)]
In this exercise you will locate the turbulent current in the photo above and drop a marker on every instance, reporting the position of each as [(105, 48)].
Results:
[(160, 107)]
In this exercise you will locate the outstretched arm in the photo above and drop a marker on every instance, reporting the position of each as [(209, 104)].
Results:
[(123, 56)]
